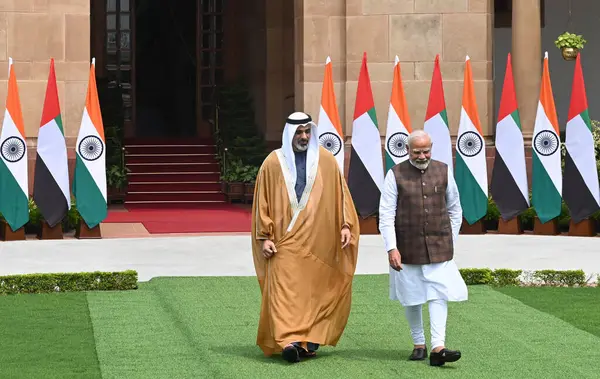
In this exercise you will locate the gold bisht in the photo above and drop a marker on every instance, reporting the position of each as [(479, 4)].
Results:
[(306, 285)]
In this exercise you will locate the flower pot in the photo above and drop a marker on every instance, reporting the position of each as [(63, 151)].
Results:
[(569, 53), (235, 191), (116, 195), (249, 192)]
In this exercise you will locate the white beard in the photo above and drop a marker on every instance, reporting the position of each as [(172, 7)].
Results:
[(421, 166), (299, 148)]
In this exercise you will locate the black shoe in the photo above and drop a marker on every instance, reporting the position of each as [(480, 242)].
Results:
[(418, 354), (444, 356), (290, 354)]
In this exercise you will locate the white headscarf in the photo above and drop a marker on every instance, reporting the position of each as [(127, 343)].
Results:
[(312, 155), (287, 160)]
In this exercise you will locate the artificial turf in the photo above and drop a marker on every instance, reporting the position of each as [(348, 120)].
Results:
[(206, 328), (577, 306), (47, 336)]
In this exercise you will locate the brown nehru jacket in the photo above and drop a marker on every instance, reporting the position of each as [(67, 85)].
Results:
[(423, 228)]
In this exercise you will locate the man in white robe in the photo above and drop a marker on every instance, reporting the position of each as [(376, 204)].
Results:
[(419, 219)]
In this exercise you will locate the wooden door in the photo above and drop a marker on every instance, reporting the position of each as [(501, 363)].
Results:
[(119, 60), (210, 57)]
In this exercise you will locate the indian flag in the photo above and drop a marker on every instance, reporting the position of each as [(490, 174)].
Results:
[(14, 198), (436, 120), (509, 178), (51, 179), (581, 188), (546, 186), (398, 124), (331, 136), (471, 165), (365, 174), (89, 184)]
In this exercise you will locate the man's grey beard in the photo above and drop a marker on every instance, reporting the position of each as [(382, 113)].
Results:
[(421, 165), (299, 148)]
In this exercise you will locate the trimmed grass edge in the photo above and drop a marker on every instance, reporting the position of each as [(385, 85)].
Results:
[(68, 282)]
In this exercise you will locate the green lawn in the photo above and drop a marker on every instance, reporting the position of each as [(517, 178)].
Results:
[(206, 328)]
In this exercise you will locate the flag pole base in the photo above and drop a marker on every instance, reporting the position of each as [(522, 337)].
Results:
[(368, 225), (584, 228), (476, 228), (7, 234), (512, 226), (48, 233), (84, 232), (549, 228)]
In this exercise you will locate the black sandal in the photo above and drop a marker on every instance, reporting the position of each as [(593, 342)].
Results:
[(290, 354), (307, 354)]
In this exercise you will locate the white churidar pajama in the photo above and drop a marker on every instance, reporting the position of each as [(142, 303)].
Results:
[(415, 285)]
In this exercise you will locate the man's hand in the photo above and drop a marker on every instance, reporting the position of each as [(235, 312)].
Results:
[(395, 259), (346, 236), (268, 249)]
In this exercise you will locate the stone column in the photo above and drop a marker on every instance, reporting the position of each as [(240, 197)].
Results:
[(527, 60), (32, 32), (320, 31)]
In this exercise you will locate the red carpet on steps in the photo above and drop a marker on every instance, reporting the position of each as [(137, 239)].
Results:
[(209, 219)]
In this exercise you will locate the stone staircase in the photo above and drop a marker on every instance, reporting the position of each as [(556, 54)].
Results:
[(172, 173)]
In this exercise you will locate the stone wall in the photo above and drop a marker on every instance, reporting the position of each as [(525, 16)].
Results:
[(32, 32), (415, 30)]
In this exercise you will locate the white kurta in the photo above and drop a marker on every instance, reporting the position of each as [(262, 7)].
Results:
[(418, 284)]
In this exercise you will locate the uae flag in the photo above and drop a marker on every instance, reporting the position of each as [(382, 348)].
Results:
[(436, 120), (330, 127), (365, 174), (89, 184), (546, 183), (14, 198), (581, 175), (51, 180), (398, 124), (471, 165), (509, 177)]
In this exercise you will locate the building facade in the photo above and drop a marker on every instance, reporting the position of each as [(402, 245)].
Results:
[(178, 53)]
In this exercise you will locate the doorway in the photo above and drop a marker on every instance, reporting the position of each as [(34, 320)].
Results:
[(164, 59), (165, 70)]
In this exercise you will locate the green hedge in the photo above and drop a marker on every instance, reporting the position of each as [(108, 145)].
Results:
[(68, 282), (508, 277)]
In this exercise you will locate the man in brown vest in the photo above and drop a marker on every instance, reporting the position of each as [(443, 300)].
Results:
[(419, 219)]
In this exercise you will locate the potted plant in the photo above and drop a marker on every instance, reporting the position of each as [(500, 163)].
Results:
[(116, 180), (249, 178), (233, 177), (570, 44)]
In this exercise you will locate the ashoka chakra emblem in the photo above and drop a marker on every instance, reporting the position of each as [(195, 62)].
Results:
[(546, 142), (13, 149), (331, 142), (470, 144), (91, 148), (398, 145)]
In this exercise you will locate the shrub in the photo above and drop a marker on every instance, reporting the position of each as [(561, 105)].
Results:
[(476, 275), (508, 277), (568, 278), (68, 282)]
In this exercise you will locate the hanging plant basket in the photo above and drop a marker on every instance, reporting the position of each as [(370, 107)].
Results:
[(569, 53), (569, 45)]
